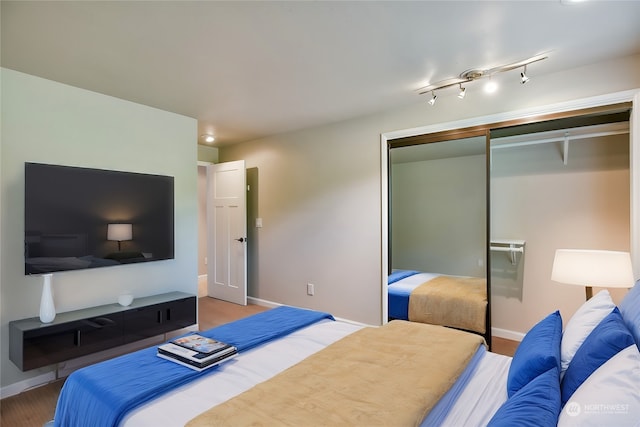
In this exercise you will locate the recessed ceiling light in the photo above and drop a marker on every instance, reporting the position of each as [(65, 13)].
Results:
[(208, 138)]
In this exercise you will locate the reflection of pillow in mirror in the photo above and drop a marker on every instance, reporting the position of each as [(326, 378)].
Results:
[(581, 324), (538, 352), (606, 340), (630, 310), (609, 397)]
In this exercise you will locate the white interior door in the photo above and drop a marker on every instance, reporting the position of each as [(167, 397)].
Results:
[(227, 232)]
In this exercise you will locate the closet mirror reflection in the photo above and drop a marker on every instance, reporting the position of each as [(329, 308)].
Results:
[(437, 231), (438, 207)]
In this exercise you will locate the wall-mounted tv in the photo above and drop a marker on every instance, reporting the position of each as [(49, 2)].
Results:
[(78, 218)]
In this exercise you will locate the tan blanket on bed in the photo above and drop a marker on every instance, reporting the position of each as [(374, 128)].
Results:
[(387, 376), (458, 302)]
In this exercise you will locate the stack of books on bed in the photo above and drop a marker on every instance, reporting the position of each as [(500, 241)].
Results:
[(197, 352)]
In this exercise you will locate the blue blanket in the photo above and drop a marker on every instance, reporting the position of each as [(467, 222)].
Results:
[(102, 394), (398, 297), (399, 275)]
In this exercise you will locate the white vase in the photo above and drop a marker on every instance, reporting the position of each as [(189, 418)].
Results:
[(47, 309)]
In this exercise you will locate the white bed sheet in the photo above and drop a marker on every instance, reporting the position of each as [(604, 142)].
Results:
[(485, 392), (237, 375), (413, 281)]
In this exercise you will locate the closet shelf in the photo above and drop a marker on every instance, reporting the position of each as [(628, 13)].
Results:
[(584, 133)]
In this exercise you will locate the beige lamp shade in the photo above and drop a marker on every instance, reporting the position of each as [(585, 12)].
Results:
[(119, 232), (586, 267)]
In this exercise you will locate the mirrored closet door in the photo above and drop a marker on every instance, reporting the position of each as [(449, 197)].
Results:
[(438, 207), (438, 219)]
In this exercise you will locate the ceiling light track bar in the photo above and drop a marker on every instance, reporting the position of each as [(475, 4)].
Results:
[(476, 74)]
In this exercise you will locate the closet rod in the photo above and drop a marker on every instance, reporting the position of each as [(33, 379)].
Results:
[(506, 249)]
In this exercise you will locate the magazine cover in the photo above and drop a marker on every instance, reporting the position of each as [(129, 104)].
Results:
[(201, 344), (189, 363)]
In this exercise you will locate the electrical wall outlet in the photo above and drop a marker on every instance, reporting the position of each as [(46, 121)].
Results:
[(310, 289)]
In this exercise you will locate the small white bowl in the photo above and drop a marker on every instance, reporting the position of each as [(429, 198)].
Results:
[(125, 300)]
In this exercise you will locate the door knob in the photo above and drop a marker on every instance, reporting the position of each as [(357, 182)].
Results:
[(242, 239)]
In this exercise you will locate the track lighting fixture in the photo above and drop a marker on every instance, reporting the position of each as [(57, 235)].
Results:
[(523, 76), (463, 92), (476, 74), (433, 98)]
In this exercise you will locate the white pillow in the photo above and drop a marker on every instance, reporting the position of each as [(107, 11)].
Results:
[(581, 324), (609, 397)]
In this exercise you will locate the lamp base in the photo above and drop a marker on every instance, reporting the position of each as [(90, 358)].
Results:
[(589, 292)]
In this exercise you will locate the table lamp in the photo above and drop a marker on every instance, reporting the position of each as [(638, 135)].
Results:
[(119, 232), (587, 267)]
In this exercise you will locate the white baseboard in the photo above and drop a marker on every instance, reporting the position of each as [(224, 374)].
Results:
[(262, 302), (507, 334), (202, 286), (271, 304), (20, 386)]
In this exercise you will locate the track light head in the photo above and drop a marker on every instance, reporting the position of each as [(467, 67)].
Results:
[(523, 76), (463, 92), (433, 98)]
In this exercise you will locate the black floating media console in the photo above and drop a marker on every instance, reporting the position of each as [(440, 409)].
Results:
[(33, 344)]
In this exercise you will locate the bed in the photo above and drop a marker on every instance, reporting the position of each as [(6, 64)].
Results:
[(296, 367), (454, 301)]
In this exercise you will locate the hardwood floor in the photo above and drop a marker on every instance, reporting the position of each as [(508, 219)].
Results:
[(35, 407), (213, 312), (503, 346)]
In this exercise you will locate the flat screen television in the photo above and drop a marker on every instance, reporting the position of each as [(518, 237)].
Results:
[(77, 218)]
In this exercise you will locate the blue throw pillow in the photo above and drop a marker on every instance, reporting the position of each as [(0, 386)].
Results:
[(538, 352), (537, 404), (605, 341), (630, 310)]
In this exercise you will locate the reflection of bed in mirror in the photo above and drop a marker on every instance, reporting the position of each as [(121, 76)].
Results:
[(57, 252), (455, 301)]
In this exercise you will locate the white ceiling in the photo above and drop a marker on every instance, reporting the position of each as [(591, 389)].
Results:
[(251, 69)]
